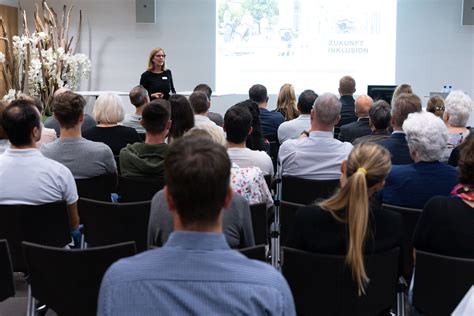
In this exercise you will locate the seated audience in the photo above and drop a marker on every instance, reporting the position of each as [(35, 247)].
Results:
[(349, 132), (317, 156), (85, 158), (195, 272), (269, 120), (108, 112), (435, 105), (147, 159), (350, 222), (379, 122), (446, 225), (255, 141), (293, 129), (347, 88), (238, 125), (286, 102), (414, 184), (215, 117), (4, 143), (401, 88), (397, 143), (182, 116), (27, 176), (138, 97), (200, 105)]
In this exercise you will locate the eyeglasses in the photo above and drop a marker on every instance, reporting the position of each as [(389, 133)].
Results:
[(163, 56)]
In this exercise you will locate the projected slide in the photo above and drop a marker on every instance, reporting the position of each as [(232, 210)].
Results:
[(309, 43)]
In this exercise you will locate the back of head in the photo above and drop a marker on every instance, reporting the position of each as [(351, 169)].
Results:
[(108, 109), (209, 131), (466, 160), (197, 172), (258, 93), (426, 135), (379, 114), (435, 105), (182, 115), (362, 105), (306, 101), (347, 85), (255, 141), (3, 105), (403, 105), (326, 109), (237, 124), (138, 96), (68, 107), (18, 121), (36, 101), (199, 102), (458, 106), (204, 88), (156, 115), (402, 88)]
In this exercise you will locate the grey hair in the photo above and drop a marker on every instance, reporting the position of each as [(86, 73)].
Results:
[(458, 106), (327, 108), (426, 134), (108, 108)]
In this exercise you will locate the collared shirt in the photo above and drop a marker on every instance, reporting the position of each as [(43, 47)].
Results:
[(293, 129), (203, 120), (317, 157), (245, 157), (193, 274), (270, 122)]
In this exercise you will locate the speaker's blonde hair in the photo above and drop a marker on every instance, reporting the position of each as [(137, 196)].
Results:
[(367, 165)]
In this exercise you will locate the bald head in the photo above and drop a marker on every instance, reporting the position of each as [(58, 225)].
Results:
[(362, 105)]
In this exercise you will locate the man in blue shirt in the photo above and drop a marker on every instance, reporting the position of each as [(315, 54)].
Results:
[(270, 121), (195, 272)]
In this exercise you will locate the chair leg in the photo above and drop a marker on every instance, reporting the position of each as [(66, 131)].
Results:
[(31, 305), (401, 288)]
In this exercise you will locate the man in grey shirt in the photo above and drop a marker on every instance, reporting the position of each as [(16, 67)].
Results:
[(138, 97), (85, 159)]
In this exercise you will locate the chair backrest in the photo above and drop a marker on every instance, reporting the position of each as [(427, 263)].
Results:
[(322, 284), (268, 180), (305, 191), (117, 163), (410, 218), (46, 224), (259, 222), (287, 218), (257, 252), (97, 188), (108, 223), (441, 282), (7, 283), (68, 281), (138, 189)]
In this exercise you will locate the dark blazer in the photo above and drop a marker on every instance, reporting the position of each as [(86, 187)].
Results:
[(347, 113), (397, 145), (351, 131)]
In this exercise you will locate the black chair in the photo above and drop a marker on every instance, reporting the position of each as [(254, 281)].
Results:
[(117, 162), (323, 285), (258, 252), (287, 218), (108, 223), (268, 180), (97, 188), (441, 282), (305, 191), (68, 281), (259, 222), (138, 189), (410, 218), (46, 224), (273, 152), (7, 282)]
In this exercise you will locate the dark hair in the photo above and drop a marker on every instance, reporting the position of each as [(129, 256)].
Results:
[(466, 160), (3, 105), (138, 96), (379, 114), (347, 85), (18, 121), (155, 115), (237, 124), (435, 105), (182, 116), (68, 107), (306, 101), (204, 88), (197, 172), (255, 141), (36, 101), (258, 93), (199, 102), (403, 105)]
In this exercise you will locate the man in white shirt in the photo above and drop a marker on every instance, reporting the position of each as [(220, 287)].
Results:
[(27, 176), (317, 155), (200, 105), (293, 129), (238, 126), (138, 97)]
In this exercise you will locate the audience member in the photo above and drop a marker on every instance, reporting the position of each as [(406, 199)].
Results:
[(293, 129), (435, 105), (255, 141), (446, 225), (286, 102), (269, 120), (4, 142), (138, 97), (359, 128), (85, 158), (402, 88), (414, 184), (396, 144), (108, 112), (317, 156), (195, 272), (350, 222), (238, 125), (182, 117), (200, 105), (215, 117), (347, 88), (27, 176), (147, 159), (379, 122)]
